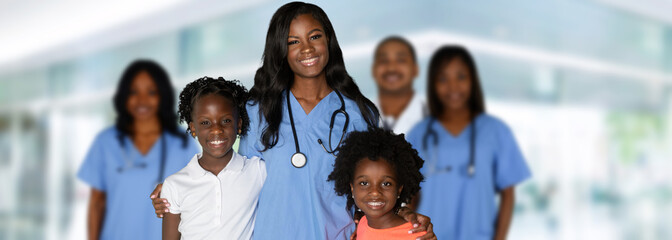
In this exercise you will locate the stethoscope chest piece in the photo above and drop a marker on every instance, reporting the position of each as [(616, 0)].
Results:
[(471, 170), (298, 160)]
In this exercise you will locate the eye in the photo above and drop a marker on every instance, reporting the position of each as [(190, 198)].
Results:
[(132, 92), (153, 92), (205, 123), (461, 76), (317, 36), (292, 42), (387, 184), (227, 121), (363, 183)]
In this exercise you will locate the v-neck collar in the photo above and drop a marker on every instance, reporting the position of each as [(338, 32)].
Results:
[(134, 150), (437, 124), (300, 115)]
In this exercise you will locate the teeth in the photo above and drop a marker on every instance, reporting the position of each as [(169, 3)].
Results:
[(309, 61), (376, 204), (217, 142)]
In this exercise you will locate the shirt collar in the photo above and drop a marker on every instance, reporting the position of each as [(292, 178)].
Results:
[(195, 170)]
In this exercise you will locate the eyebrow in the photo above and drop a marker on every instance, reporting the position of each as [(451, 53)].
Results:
[(311, 31), (363, 176), (391, 177), (225, 115)]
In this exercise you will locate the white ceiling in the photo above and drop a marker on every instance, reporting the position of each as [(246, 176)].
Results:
[(34, 32)]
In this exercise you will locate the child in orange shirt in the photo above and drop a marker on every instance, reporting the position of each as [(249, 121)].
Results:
[(378, 170)]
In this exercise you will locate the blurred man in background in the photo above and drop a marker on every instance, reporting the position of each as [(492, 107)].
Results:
[(394, 69)]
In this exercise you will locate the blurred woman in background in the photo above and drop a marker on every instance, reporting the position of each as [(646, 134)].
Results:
[(470, 156), (127, 160)]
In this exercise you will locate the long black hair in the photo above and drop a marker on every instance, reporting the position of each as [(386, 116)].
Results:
[(275, 75), (167, 115), (442, 57)]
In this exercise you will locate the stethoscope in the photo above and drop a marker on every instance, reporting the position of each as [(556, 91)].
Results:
[(471, 169), (298, 158), (130, 164)]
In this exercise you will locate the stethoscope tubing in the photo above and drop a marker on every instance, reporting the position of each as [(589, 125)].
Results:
[(128, 163), (430, 132), (319, 141)]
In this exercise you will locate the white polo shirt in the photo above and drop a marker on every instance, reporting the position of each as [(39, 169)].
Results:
[(415, 111), (216, 207)]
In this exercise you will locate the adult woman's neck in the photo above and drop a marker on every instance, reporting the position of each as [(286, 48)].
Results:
[(145, 133), (147, 126), (455, 120), (310, 91), (456, 115)]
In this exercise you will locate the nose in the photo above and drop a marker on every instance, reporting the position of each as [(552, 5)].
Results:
[(376, 191), (217, 128), (307, 47)]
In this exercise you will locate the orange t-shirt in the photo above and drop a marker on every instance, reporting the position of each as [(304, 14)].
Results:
[(364, 232)]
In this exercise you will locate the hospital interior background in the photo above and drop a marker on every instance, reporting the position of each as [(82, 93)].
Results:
[(586, 87)]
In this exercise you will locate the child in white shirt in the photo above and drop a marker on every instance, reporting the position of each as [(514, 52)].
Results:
[(215, 195)]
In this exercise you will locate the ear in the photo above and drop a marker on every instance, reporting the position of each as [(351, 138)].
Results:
[(415, 71), (240, 123), (191, 128), (352, 189), (400, 188)]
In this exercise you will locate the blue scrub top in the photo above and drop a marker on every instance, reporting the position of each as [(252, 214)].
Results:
[(128, 213), (463, 207), (299, 203)]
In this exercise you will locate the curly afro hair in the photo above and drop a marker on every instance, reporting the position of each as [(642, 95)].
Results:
[(231, 89), (374, 144)]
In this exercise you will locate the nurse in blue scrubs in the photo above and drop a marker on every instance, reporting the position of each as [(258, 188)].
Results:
[(306, 102), (127, 160), (471, 157)]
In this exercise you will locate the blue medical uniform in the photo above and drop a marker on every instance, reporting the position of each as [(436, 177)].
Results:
[(128, 212), (299, 203), (463, 207)]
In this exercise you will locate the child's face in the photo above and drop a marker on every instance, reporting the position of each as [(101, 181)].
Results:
[(375, 188), (453, 86), (394, 68), (307, 51), (143, 100), (216, 123)]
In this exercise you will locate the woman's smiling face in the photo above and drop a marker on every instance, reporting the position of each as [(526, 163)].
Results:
[(143, 100), (307, 51), (453, 86)]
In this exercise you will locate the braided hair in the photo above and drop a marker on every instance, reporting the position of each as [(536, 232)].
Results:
[(230, 89)]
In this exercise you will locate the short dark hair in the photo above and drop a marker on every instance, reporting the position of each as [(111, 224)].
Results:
[(441, 57), (230, 89), (374, 144), (398, 39), (167, 116)]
